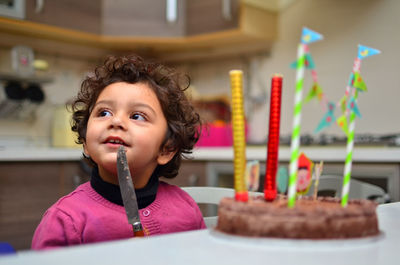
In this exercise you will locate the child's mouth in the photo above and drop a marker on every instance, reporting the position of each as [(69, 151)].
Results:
[(116, 142)]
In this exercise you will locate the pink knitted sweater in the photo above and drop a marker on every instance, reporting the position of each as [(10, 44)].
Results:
[(83, 216)]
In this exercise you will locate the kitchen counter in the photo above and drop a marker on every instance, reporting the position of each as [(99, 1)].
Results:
[(11, 154), (317, 153), (326, 153)]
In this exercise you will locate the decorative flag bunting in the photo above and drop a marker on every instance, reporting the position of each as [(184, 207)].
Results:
[(353, 106), (308, 36), (328, 118), (309, 63), (364, 51), (315, 91), (342, 103), (347, 103), (342, 123), (358, 82)]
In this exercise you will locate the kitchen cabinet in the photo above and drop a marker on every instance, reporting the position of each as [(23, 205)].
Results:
[(109, 17), (148, 18), (92, 29), (209, 16), (70, 14), (27, 190), (141, 18), (191, 173)]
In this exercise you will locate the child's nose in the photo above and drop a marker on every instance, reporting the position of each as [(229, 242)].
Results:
[(117, 122)]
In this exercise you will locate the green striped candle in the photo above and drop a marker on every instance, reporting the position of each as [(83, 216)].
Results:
[(295, 143), (349, 159)]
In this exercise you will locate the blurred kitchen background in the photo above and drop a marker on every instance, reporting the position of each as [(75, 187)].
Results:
[(48, 47)]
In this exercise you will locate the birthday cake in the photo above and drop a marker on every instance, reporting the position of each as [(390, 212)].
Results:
[(323, 218), (309, 217)]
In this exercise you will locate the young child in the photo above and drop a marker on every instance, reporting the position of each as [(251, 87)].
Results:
[(142, 106)]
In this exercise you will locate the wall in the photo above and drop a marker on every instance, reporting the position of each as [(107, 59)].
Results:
[(344, 24), (67, 74)]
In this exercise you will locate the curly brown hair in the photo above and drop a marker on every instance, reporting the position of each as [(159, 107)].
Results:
[(169, 86)]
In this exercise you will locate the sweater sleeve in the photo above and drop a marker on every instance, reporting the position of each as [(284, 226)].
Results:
[(56, 229)]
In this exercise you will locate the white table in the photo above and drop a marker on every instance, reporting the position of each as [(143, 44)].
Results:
[(210, 247)]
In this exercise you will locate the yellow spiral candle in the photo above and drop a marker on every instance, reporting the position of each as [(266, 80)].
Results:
[(239, 139)]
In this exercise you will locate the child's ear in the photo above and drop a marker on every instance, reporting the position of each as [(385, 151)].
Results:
[(85, 151), (165, 156)]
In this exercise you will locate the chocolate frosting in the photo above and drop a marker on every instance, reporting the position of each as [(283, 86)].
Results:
[(310, 219)]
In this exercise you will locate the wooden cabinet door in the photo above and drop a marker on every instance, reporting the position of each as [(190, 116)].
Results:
[(141, 18), (206, 16), (71, 14), (191, 173), (27, 190)]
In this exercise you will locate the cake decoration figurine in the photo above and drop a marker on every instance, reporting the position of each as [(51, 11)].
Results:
[(239, 139), (253, 175), (270, 187), (317, 173), (304, 174), (282, 179), (308, 36)]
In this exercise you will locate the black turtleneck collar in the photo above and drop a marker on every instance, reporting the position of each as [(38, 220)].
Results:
[(145, 196)]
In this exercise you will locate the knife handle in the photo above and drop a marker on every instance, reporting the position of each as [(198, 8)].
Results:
[(138, 230), (138, 233)]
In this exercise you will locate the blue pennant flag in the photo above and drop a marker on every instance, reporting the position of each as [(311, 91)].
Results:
[(364, 51), (353, 106), (309, 61), (328, 118), (309, 36)]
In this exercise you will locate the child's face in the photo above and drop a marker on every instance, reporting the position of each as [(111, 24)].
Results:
[(128, 114)]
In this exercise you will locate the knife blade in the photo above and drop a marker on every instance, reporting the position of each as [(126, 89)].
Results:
[(128, 193)]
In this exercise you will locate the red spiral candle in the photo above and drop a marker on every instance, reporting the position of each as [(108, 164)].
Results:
[(270, 189)]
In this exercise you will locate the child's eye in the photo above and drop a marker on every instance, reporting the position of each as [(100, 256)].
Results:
[(138, 116), (104, 113)]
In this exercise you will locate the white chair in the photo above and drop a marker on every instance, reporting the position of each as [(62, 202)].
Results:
[(358, 189), (212, 196)]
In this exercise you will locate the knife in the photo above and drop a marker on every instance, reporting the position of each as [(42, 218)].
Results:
[(128, 193)]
